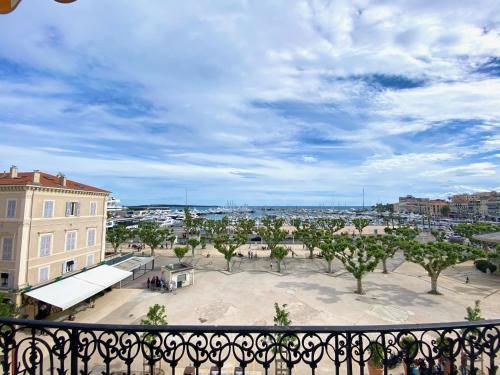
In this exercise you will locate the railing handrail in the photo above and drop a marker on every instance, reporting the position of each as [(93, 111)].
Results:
[(251, 328)]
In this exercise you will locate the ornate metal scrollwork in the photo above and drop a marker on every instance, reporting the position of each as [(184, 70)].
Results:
[(38, 347)]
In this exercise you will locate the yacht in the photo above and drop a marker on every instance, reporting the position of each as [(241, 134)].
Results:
[(113, 204)]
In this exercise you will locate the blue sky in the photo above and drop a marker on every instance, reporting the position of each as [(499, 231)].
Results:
[(277, 102)]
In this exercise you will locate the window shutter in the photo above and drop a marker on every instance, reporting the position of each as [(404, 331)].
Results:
[(91, 237), (48, 209), (45, 245), (43, 274), (78, 209), (68, 208), (7, 249), (11, 208)]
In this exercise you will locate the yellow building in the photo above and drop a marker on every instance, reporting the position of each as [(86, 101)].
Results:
[(49, 226)]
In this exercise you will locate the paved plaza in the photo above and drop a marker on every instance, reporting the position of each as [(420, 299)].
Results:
[(314, 297)]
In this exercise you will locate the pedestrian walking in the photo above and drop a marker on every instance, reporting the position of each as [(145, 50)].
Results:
[(467, 280), (149, 283)]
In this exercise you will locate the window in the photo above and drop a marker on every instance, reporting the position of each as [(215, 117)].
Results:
[(71, 240), (90, 260), (45, 244), (91, 236), (43, 274), (11, 208), (72, 209), (48, 209), (69, 266), (93, 208), (4, 279), (7, 248)]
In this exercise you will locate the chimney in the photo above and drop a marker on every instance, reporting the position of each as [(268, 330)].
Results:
[(13, 172), (36, 176), (62, 179)]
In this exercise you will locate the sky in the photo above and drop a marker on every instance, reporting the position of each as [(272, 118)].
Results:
[(281, 102)]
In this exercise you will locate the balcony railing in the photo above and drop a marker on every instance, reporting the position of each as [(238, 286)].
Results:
[(42, 347)]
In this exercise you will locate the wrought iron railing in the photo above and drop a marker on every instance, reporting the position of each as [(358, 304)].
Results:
[(42, 347)]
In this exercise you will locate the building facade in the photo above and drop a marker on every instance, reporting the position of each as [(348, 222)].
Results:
[(436, 205), (478, 205), (49, 226), (411, 204)]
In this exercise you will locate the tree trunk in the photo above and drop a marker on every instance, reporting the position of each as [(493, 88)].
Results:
[(228, 265), (360, 287), (152, 251), (434, 284), (384, 265), (279, 266), (192, 251), (311, 254), (329, 266)]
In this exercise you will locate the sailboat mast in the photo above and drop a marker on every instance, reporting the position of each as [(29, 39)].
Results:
[(363, 198)]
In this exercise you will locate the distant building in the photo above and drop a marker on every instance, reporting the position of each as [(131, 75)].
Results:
[(477, 205), (493, 207), (411, 204), (436, 205), (49, 226)]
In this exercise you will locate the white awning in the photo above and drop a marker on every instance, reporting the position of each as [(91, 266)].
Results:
[(133, 263), (103, 276), (75, 289)]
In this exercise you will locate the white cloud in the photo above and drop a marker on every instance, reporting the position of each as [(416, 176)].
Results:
[(309, 159), (202, 66)]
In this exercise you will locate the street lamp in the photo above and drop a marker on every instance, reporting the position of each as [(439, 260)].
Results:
[(7, 6)]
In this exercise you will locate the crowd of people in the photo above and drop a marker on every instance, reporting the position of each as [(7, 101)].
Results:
[(159, 283)]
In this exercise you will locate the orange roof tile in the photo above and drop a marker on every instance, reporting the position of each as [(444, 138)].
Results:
[(46, 180)]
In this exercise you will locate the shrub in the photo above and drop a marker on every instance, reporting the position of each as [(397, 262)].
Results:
[(376, 354), (483, 265), (409, 346)]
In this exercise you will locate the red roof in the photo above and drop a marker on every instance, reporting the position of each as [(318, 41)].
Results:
[(46, 180)]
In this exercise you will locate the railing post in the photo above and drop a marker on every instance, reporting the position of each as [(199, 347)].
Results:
[(386, 367), (74, 350), (349, 354)]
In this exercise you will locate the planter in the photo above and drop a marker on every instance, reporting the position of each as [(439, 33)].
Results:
[(446, 348), (374, 370), (446, 363), (410, 370)]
